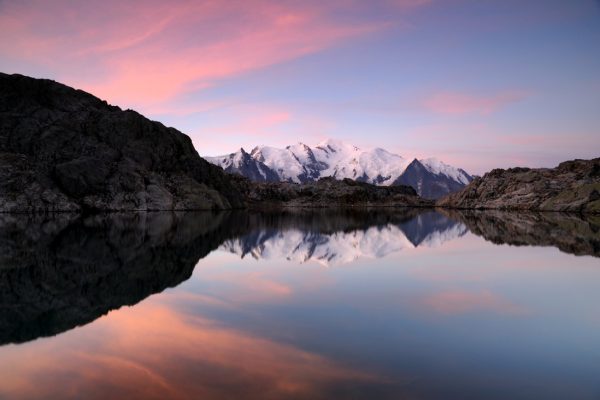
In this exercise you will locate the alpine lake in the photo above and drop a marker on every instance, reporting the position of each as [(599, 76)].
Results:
[(301, 304)]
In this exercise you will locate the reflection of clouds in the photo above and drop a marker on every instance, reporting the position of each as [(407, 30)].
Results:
[(155, 352), (462, 301)]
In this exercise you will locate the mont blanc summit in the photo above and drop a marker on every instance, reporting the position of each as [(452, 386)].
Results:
[(301, 163)]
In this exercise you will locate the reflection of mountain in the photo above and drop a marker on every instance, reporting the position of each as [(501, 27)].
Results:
[(570, 233), (302, 243)]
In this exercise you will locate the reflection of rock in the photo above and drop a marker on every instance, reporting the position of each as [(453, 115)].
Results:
[(342, 237), (570, 233), (57, 274)]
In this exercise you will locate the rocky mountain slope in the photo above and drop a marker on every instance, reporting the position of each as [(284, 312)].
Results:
[(63, 149), (573, 186), (300, 163)]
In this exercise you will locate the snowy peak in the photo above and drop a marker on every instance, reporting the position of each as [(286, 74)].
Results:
[(438, 167), (300, 163)]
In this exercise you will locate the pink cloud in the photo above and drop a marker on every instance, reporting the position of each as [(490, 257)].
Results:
[(144, 56), (463, 103)]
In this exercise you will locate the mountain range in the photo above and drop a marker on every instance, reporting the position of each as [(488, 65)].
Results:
[(301, 163)]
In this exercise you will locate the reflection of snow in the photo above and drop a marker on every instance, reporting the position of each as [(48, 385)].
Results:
[(437, 238), (334, 248)]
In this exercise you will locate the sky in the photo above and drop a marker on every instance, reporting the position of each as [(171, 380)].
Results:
[(479, 84)]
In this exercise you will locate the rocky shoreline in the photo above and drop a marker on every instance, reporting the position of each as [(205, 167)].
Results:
[(573, 186)]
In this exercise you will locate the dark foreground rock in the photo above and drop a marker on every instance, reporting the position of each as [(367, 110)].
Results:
[(573, 186), (63, 149), (570, 233), (327, 192)]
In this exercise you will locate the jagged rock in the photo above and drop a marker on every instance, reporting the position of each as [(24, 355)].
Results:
[(573, 186), (62, 149), (327, 192)]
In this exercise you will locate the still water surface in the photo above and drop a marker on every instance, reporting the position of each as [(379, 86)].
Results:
[(317, 305)]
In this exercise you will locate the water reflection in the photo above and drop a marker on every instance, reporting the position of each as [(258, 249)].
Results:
[(157, 352), (423, 310), (570, 233), (292, 237), (63, 271)]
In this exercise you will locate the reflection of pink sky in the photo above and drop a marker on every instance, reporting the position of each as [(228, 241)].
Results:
[(462, 301), (154, 352), (159, 349)]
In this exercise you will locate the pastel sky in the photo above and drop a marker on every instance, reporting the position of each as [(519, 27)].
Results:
[(477, 83)]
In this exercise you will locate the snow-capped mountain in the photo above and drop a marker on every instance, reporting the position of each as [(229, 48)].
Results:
[(300, 163), (343, 247)]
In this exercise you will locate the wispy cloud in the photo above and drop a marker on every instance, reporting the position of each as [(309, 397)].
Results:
[(465, 103), (146, 55)]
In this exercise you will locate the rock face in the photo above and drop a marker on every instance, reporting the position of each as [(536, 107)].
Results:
[(62, 149), (573, 186), (327, 192)]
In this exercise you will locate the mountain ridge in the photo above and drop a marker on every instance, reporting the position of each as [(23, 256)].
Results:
[(300, 163)]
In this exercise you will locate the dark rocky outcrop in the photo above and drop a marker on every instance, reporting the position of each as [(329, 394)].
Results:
[(63, 149), (573, 186), (327, 192), (570, 233)]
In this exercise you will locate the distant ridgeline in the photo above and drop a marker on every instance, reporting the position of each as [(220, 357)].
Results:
[(300, 163)]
